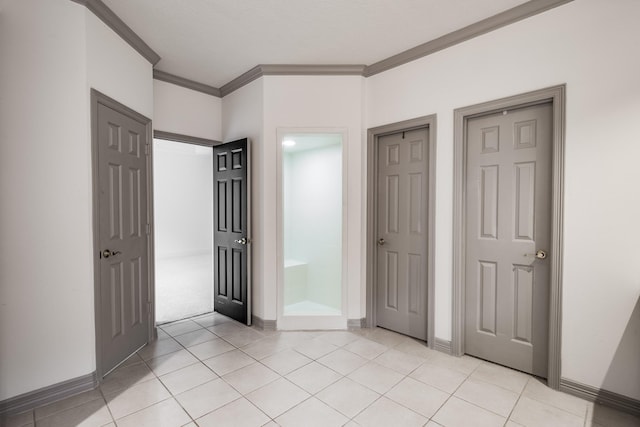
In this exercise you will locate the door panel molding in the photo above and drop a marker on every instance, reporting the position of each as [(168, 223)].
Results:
[(99, 99), (232, 229), (373, 135), (555, 95)]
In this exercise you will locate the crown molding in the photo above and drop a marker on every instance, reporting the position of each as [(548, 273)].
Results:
[(494, 22), (189, 84), (290, 70), (112, 20), (515, 14), (242, 80), (311, 70)]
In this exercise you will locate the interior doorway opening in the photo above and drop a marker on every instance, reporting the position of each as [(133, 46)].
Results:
[(183, 210), (312, 215), (311, 241)]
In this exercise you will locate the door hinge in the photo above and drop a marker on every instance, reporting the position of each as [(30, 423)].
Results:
[(148, 229), (146, 149)]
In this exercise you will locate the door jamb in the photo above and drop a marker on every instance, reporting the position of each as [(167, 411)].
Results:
[(373, 136), (555, 95), (186, 139), (98, 98)]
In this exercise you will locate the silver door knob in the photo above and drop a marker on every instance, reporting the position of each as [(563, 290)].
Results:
[(242, 241), (108, 253), (540, 254), (381, 242)]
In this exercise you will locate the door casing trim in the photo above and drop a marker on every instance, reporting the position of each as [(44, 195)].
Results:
[(186, 139), (373, 136), (555, 95), (98, 98)]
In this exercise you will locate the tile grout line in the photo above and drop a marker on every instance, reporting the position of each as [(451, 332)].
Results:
[(367, 407), (172, 396), (311, 395), (380, 395), (289, 346), (106, 404), (290, 343), (199, 361), (242, 395), (454, 391), (314, 395), (514, 406), (494, 385), (522, 394), (115, 421), (342, 346)]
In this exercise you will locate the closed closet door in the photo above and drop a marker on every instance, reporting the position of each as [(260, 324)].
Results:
[(508, 232), (402, 238)]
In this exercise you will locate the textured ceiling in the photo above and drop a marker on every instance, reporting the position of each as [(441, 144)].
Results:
[(215, 41)]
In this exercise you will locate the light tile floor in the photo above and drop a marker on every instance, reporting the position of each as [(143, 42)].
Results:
[(212, 371)]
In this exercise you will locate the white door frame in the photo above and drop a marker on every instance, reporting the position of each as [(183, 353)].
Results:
[(555, 95), (373, 136), (98, 98), (310, 322)]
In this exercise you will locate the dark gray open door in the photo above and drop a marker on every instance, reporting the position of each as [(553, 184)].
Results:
[(231, 230)]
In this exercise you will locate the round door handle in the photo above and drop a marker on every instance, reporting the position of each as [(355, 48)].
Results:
[(108, 253), (242, 241), (381, 242), (540, 254)]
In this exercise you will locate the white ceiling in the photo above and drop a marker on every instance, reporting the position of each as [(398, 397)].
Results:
[(215, 41)]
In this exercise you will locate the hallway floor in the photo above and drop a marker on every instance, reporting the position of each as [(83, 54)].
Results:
[(211, 371)]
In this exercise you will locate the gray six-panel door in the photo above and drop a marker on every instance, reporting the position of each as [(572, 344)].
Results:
[(401, 255), (122, 233), (231, 230), (508, 214)]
